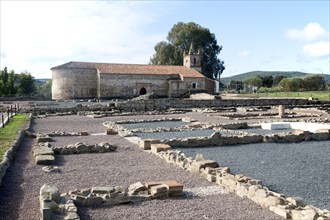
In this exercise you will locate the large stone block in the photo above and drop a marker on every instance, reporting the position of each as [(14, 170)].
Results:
[(145, 144), (216, 138), (196, 166), (156, 148), (135, 188), (174, 188), (159, 191), (44, 159), (50, 192), (44, 139), (41, 150), (296, 201), (280, 210)]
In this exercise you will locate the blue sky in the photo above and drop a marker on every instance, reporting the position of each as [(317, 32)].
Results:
[(255, 35)]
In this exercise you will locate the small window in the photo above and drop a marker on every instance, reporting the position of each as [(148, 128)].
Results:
[(194, 85), (194, 61)]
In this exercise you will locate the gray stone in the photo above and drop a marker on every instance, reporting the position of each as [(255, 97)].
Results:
[(196, 166), (44, 139), (71, 216), (93, 201), (102, 190), (255, 182), (42, 151), (45, 159), (135, 188), (50, 192), (51, 169), (297, 201)]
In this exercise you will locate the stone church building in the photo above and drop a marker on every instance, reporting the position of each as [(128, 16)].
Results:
[(80, 80)]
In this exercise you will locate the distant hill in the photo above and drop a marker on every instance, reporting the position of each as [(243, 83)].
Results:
[(39, 82), (244, 76)]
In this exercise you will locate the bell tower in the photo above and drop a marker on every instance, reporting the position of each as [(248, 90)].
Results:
[(192, 59)]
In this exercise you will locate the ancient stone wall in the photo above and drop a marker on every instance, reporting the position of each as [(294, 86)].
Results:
[(130, 85), (244, 186), (160, 104), (74, 83)]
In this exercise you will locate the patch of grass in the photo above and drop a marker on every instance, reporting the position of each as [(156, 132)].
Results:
[(10, 132), (320, 95)]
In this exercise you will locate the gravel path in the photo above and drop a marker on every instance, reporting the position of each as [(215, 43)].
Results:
[(296, 169), (175, 134), (20, 189), (154, 125)]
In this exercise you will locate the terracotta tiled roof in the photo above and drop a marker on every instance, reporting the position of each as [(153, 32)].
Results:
[(113, 68)]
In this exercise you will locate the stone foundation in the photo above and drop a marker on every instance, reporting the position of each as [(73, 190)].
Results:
[(44, 153), (245, 187)]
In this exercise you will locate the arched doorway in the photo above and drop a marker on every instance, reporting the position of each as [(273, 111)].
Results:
[(143, 91)]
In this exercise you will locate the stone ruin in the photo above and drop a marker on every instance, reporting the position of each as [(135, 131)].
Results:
[(246, 187), (54, 205), (64, 206)]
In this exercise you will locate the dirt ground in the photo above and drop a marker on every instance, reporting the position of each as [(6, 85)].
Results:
[(21, 185)]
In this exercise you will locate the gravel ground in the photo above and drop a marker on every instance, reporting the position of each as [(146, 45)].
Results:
[(20, 188), (154, 125), (297, 169), (175, 134)]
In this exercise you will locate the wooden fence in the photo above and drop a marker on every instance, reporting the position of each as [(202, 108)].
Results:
[(5, 116)]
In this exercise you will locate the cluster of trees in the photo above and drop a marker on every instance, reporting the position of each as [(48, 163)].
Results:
[(179, 39), (12, 84), (281, 83)]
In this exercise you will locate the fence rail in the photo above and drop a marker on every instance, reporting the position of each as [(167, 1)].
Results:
[(5, 116)]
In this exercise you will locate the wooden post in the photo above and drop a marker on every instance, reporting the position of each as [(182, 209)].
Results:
[(11, 110), (3, 121)]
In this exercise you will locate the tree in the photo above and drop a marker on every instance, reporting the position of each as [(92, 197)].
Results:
[(292, 84), (254, 81), (11, 83), (179, 39), (26, 84), (267, 81), (4, 81), (277, 79), (314, 82), (46, 89), (236, 85)]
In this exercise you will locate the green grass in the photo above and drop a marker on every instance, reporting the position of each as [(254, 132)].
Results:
[(10, 132), (320, 95)]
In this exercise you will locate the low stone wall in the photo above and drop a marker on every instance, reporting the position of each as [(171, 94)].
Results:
[(44, 153), (162, 104), (154, 106), (9, 155), (54, 205), (217, 139), (137, 192), (244, 186)]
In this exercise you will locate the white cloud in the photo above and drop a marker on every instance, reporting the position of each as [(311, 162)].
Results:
[(319, 49), (314, 39), (244, 53), (311, 32), (37, 35)]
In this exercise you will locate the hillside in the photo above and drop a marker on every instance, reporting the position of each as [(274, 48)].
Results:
[(244, 76)]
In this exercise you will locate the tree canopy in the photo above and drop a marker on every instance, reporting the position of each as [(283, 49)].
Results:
[(179, 39), (12, 84)]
